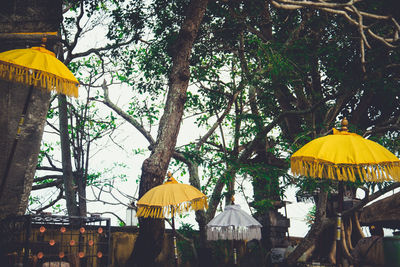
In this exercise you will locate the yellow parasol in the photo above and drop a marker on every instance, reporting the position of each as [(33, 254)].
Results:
[(39, 67), (169, 199), (345, 156)]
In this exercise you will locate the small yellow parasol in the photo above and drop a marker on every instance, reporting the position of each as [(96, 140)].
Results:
[(345, 156), (169, 199)]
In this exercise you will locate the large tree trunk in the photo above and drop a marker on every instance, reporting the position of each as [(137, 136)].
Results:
[(18, 181), (22, 16), (148, 244)]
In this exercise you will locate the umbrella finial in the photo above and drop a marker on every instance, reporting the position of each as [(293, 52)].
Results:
[(171, 179), (344, 125), (44, 40)]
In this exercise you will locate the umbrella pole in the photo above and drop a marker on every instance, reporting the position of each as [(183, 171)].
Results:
[(174, 238), (339, 226), (234, 254), (14, 145)]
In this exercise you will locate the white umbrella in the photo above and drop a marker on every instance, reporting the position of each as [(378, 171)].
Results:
[(233, 224)]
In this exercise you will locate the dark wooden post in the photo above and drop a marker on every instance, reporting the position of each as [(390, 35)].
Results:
[(340, 211)]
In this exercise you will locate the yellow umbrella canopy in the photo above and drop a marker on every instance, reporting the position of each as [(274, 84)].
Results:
[(39, 67), (345, 156), (169, 199)]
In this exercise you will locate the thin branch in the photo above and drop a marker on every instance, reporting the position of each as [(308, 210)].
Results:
[(343, 9), (100, 49), (47, 185), (317, 4), (68, 7), (375, 130), (49, 160), (98, 197), (219, 120), (45, 168), (47, 177), (53, 127), (379, 38), (76, 37), (52, 203), (361, 28), (126, 116)]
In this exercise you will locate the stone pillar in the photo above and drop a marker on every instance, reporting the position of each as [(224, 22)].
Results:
[(28, 16), (275, 228)]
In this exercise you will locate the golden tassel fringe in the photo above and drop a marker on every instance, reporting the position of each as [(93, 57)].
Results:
[(51, 82), (171, 210), (386, 171)]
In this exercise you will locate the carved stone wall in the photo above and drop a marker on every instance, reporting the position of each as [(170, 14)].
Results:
[(274, 230)]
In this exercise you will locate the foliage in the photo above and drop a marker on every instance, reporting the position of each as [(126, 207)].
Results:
[(276, 78), (184, 247), (310, 218)]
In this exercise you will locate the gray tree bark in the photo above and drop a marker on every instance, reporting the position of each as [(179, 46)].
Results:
[(18, 184)]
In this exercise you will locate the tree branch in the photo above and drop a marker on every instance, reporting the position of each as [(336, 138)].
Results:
[(126, 116), (57, 183), (46, 177), (45, 168), (53, 202), (97, 50), (219, 120), (344, 9)]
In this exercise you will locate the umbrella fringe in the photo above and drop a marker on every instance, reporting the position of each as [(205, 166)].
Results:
[(233, 233), (372, 172), (171, 210), (11, 72)]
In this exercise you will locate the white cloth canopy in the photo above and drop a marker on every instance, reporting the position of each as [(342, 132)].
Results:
[(233, 224)]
